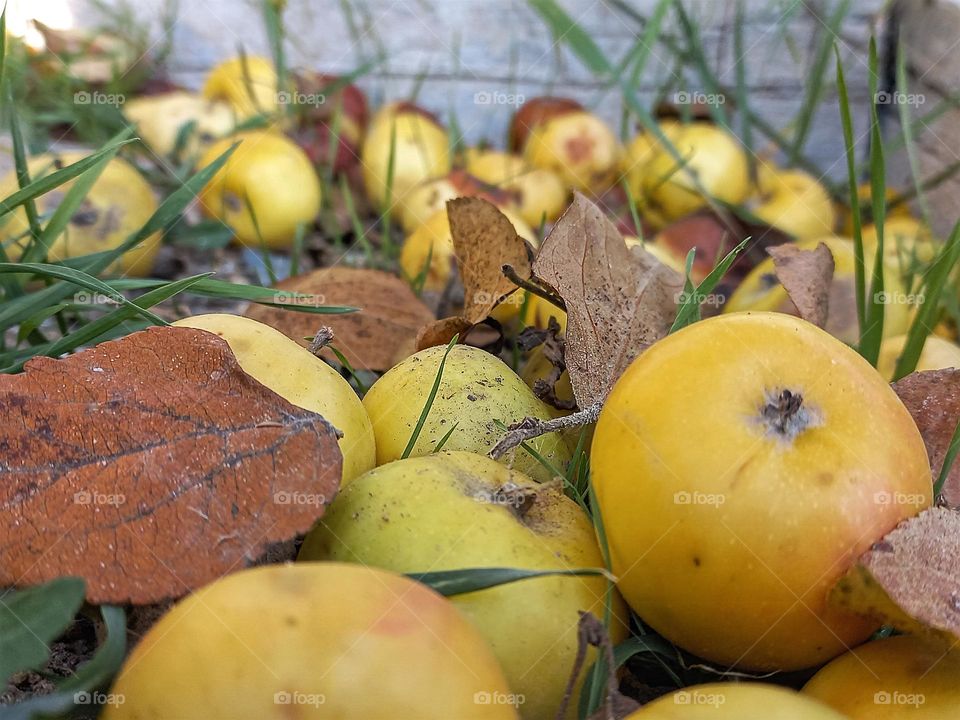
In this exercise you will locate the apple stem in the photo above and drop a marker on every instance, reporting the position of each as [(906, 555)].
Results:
[(531, 427)]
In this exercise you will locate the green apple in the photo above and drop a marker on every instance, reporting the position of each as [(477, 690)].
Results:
[(455, 510)]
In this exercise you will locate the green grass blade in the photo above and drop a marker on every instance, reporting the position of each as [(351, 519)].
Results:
[(458, 582), (430, 398), (689, 309), (948, 461)]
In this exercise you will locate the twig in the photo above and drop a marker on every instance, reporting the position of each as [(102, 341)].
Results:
[(532, 287), (531, 427)]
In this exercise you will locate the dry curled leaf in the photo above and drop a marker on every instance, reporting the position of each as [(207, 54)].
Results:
[(484, 240), (807, 276), (374, 338), (152, 465), (911, 578), (618, 302), (933, 399)]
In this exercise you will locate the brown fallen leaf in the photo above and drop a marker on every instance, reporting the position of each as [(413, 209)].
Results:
[(152, 465), (807, 276), (911, 578), (618, 302), (933, 399), (484, 241), (383, 331)]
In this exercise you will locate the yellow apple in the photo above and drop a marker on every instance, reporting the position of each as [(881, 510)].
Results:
[(741, 466), (793, 201), (579, 147), (274, 176), (421, 152), (301, 378), (865, 193), (457, 510), (248, 84), (710, 156), (118, 205), (312, 640), (906, 240), (735, 701), (425, 200), (897, 677), (476, 392), (937, 354), (161, 118), (540, 194), (761, 290)]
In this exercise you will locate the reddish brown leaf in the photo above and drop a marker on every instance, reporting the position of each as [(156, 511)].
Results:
[(441, 332), (618, 302), (911, 578), (933, 399), (807, 276), (375, 338), (152, 465)]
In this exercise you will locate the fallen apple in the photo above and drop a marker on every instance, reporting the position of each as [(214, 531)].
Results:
[(477, 396), (539, 194), (711, 161), (426, 199), (404, 146), (906, 240), (793, 201), (160, 120), (761, 290), (771, 457), (248, 84), (735, 701), (893, 678), (865, 195), (533, 113), (312, 640), (298, 376), (457, 510), (269, 174), (579, 147), (117, 205), (329, 124), (937, 354)]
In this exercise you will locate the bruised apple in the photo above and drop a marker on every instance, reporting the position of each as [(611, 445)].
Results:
[(425, 200), (793, 201), (893, 678), (117, 205), (577, 146), (301, 378), (270, 174), (248, 84), (482, 515), (741, 466), (478, 394), (535, 112), (312, 640), (539, 194), (160, 120), (735, 701)]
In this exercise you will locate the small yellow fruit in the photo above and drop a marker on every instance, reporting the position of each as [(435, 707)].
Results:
[(161, 118), (937, 354), (248, 84), (301, 378), (711, 157), (761, 290), (477, 391), (741, 466), (906, 240), (312, 641), (274, 176), (482, 515), (893, 678), (735, 701), (422, 151), (432, 240), (540, 194), (118, 205), (579, 147), (865, 193), (794, 202)]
